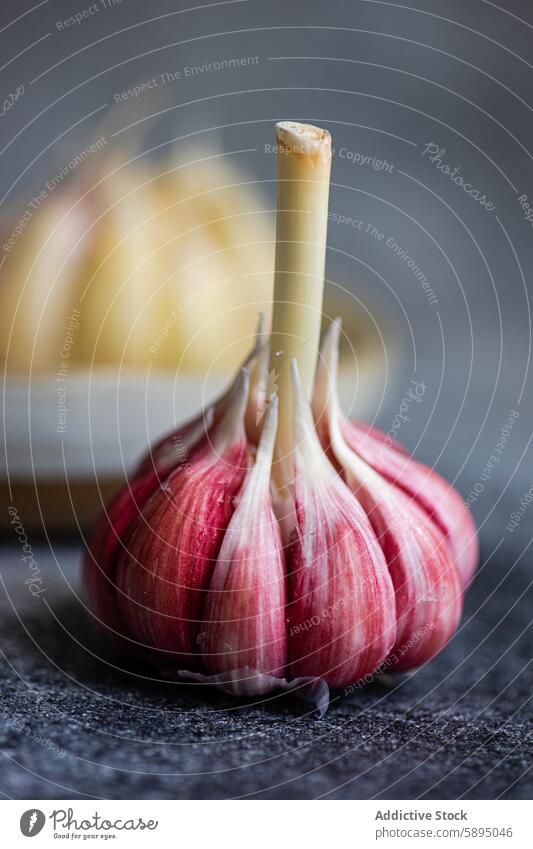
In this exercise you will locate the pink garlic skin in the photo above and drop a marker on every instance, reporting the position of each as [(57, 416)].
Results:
[(440, 501), (172, 447), (244, 624), (342, 615), (107, 539), (120, 515), (364, 431), (112, 568), (426, 584), (163, 574), (426, 581)]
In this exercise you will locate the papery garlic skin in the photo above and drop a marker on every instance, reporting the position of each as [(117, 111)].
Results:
[(124, 510), (426, 582), (437, 498), (427, 588), (120, 516), (107, 539), (244, 619), (164, 568), (342, 615)]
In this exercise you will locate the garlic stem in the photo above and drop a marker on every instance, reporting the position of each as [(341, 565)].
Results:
[(303, 171)]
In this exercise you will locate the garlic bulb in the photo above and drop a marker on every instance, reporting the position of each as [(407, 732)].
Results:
[(270, 543)]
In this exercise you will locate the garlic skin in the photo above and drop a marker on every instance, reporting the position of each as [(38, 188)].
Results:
[(107, 539), (244, 619), (342, 614), (163, 572), (437, 498), (203, 565), (426, 582)]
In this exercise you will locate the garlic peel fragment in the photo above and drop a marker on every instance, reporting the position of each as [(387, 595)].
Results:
[(249, 683)]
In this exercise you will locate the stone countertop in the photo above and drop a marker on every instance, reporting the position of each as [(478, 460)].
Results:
[(73, 724)]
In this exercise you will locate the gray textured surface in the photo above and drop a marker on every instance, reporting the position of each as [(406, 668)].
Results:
[(459, 727)]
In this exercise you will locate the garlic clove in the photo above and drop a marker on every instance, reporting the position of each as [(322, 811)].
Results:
[(426, 583), (437, 498), (163, 573), (119, 516), (107, 539), (169, 451), (376, 436), (342, 614), (244, 620), (428, 592)]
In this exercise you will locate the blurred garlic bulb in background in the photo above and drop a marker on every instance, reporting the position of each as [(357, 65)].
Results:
[(167, 263)]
